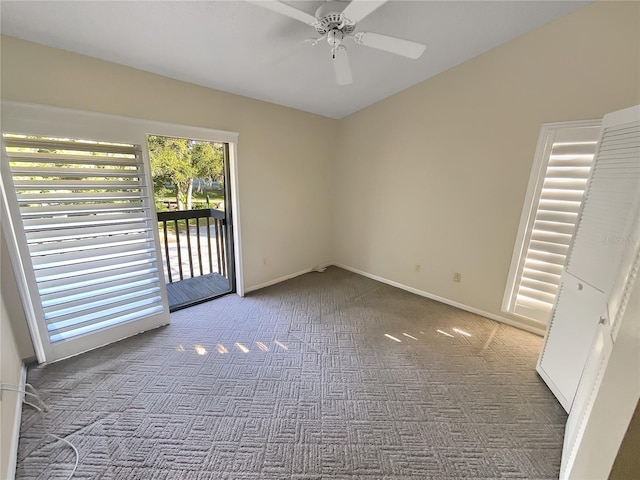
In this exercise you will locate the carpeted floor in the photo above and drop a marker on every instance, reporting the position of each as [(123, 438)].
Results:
[(326, 376)]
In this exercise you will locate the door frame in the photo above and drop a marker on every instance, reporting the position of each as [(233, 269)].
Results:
[(229, 219), (35, 119)]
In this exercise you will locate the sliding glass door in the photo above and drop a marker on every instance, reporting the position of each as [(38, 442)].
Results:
[(193, 203)]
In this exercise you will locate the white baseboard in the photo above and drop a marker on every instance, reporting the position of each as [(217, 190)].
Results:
[(13, 448), (286, 277), (538, 330)]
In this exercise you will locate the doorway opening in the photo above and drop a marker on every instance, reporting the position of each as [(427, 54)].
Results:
[(192, 195)]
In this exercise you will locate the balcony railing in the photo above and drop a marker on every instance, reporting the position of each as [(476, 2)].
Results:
[(206, 228)]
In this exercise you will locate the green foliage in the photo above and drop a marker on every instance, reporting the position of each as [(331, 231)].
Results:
[(177, 162), (160, 206)]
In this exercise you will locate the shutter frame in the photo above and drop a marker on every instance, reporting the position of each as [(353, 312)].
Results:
[(559, 174), (87, 240)]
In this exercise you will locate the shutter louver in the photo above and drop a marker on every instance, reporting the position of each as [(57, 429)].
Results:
[(88, 227), (607, 219), (555, 218)]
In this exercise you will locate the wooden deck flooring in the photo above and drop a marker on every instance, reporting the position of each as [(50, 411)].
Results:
[(194, 289)]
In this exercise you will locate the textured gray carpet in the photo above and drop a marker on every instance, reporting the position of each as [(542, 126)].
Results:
[(321, 393)]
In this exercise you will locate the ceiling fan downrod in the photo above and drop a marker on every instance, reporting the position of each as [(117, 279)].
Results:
[(334, 38)]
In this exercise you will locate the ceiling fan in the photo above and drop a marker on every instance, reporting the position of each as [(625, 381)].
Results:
[(336, 21)]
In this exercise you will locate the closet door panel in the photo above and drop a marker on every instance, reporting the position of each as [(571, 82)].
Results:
[(591, 378), (573, 324)]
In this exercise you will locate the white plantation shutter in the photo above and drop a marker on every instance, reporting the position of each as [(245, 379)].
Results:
[(86, 221), (556, 214), (565, 156)]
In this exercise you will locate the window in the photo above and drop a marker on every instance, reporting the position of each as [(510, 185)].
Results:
[(559, 175)]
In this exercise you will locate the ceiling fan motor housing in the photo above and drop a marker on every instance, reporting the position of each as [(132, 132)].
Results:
[(330, 17)]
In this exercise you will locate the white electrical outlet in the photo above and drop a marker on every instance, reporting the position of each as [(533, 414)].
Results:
[(457, 277), (418, 267)]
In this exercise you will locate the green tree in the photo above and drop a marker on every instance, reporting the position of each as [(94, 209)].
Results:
[(178, 161)]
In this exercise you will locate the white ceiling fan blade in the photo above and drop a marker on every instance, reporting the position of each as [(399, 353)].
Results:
[(358, 9), (341, 66), (406, 48), (287, 10)]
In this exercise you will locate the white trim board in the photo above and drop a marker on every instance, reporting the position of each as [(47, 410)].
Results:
[(284, 278), (39, 119), (13, 448), (514, 323)]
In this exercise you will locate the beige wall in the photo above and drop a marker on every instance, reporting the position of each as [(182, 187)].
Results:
[(10, 369), (436, 175), (12, 351), (283, 154), (11, 304), (627, 462)]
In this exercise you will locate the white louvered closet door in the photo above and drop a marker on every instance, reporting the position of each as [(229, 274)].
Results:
[(82, 222), (607, 221), (601, 259)]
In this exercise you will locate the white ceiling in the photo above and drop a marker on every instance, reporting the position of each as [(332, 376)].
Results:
[(242, 48)]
